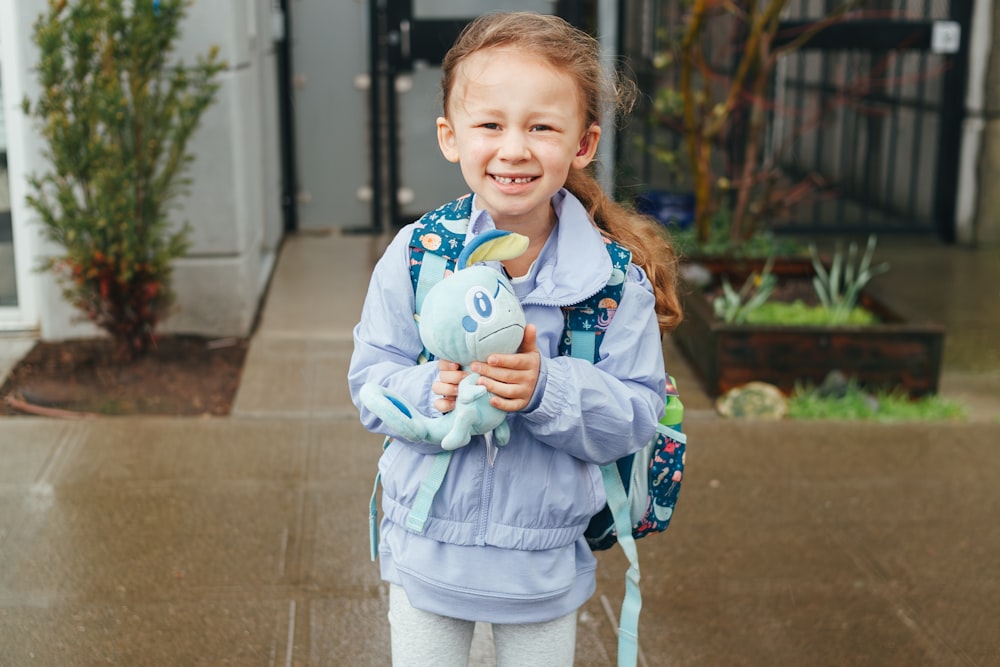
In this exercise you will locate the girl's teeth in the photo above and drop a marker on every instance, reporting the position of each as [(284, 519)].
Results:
[(508, 181)]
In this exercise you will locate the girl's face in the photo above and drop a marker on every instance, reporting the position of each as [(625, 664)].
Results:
[(516, 127)]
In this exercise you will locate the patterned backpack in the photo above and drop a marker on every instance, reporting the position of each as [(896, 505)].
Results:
[(641, 488)]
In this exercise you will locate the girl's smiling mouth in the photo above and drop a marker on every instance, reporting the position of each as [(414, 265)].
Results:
[(512, 180)]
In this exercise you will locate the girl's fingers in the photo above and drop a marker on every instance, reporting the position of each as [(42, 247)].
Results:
[(511, 378), (445, 387), (450, 375), (509, 397), (444, 405), (511, 368), (442, 388)]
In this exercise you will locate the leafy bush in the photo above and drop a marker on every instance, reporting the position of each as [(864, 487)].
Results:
[(737, 307), (718, 240), (117, 116), (722, 101), (840, 288)]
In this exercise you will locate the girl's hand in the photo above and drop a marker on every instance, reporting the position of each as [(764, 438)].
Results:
[(446, 386), (512, 378)]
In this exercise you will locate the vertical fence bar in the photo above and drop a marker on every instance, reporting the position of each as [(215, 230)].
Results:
[(951, 119), (822, 100), (894, 98), (919, 109), (845, 160)]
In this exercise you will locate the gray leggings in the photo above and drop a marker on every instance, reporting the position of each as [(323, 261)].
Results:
[(423, 639)]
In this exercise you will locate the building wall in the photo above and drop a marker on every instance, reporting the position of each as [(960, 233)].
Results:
[(233, 206)]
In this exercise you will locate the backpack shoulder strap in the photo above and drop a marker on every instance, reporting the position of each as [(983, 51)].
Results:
[(586, 322), (437, 240)]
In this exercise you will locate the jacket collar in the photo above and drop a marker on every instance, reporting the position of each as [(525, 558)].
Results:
[(574, 263)]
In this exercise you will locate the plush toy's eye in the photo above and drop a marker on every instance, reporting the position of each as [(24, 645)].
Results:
[(479, 304)]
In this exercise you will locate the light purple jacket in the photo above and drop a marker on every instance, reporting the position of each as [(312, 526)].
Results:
[(545, 485)]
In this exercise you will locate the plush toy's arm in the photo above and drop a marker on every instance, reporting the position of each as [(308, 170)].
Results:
[(394, 411), (469, 391), (473, 414)]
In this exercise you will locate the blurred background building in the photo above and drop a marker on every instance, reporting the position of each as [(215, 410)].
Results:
[(325, 125)]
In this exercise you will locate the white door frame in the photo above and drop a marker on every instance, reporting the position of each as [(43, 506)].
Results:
[(13, 71)]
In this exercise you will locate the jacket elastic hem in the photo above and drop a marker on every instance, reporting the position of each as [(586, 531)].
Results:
[(497, 535)]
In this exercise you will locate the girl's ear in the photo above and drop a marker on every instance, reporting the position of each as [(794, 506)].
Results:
[(588, 146), (447, 140)]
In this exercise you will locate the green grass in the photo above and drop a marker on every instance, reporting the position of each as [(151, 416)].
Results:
[(882, 406), (798, 313)]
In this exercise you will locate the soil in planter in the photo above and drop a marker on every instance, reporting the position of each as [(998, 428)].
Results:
[(183, 375)]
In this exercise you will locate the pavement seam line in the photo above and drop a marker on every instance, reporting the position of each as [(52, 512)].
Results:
[(290, 649), (69, 440)]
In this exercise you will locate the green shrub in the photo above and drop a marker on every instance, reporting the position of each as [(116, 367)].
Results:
[(761, 243), (840, 288), (798, 313), (883, 405), (117, 115), (737, 307)]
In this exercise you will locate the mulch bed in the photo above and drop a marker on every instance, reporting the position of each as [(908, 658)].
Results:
[(183, 375)]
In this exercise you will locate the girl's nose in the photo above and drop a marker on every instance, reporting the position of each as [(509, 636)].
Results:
[(514, 146)]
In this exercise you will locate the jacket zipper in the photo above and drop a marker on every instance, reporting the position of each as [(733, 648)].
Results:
[(485, 499), (553, 304), (548, 302)]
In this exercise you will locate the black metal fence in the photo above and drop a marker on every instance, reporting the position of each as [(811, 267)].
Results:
[(870, 109)]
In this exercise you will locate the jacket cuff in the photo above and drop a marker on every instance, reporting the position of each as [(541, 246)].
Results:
[(543, 379)]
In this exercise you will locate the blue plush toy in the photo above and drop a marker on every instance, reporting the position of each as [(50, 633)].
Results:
[(464, 318)]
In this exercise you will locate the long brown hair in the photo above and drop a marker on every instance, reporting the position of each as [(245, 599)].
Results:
[(578, 54)]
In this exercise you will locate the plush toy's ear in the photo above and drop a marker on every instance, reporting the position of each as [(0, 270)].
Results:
[(494, 244)]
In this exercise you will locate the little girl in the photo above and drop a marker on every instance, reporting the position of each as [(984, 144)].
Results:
[(504, 542)]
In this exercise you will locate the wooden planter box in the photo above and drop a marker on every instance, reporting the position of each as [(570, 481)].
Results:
[(894, 353)]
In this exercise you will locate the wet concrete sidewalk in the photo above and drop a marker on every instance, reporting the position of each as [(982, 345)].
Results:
[(243, 540)]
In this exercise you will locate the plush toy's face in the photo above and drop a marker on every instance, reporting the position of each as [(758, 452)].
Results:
[(471, 314)]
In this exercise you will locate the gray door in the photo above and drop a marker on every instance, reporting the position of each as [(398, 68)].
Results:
[(329, 97)]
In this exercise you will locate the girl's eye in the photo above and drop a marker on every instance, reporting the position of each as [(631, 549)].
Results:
[(490, 126), (540, 128)]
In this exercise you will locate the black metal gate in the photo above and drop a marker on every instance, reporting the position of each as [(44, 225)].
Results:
[(396, 40), (893, 81), (871, 107)]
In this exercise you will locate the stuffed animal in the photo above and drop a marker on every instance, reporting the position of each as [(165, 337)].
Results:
[(467, 316)]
